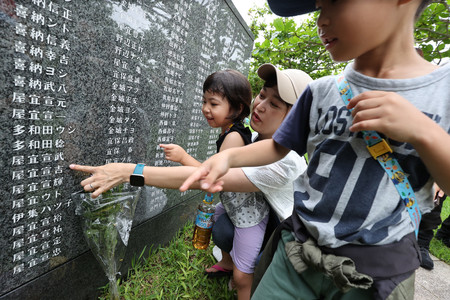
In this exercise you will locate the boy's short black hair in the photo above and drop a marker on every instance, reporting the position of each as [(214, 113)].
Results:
[(235, 87)]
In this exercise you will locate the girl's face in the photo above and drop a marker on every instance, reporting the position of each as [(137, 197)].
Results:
[(216, 110), (268, 112)]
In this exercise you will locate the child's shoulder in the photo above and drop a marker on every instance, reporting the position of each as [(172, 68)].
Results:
[(324, 90), (322, 86), (357, 80), (243, 131), (443, 70)]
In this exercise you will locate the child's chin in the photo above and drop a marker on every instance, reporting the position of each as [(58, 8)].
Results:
[(340, 58)]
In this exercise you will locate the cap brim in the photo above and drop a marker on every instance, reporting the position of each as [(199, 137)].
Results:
[(289, 8), (265, 71)]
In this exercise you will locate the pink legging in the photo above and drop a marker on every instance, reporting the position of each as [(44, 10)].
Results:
[(247, 243)]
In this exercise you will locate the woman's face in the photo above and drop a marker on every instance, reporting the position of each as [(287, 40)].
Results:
[(268, 112)]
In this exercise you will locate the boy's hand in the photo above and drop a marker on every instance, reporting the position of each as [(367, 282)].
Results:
[(209, 173), (104, 177), (390, 114), (173, 152)]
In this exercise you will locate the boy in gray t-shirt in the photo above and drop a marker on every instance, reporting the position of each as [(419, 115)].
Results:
[(347, 210)]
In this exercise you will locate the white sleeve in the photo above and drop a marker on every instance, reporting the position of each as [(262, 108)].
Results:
[(275, 181)]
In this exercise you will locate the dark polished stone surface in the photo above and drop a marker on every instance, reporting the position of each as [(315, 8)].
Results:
[(81, 277), (93, 82)]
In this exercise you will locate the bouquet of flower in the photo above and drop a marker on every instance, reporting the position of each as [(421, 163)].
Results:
[(106, 222)]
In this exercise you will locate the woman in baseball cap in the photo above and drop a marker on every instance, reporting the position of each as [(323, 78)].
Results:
[(281, 88)]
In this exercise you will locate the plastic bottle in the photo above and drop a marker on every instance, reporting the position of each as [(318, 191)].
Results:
[(203, 223)]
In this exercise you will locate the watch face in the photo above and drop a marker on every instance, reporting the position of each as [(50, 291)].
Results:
[(137, 180)]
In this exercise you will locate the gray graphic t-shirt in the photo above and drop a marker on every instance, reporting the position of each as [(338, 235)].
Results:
[(345, 196)]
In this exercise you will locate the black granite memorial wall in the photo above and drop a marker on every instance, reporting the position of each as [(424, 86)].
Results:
[(93, 82)]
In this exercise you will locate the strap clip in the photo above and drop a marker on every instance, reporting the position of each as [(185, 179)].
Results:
[(379, 149)]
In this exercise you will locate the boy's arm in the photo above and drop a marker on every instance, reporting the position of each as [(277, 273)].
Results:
[(176, 153), (398, 119), (256, 154), (433, 149)]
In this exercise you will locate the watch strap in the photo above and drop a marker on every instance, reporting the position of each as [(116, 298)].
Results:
[(139, 169)]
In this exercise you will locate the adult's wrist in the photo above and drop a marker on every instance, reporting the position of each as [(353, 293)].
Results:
[(125, 170), (137, 177)]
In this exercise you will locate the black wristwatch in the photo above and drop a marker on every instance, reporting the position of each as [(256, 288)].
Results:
[(137, 178)]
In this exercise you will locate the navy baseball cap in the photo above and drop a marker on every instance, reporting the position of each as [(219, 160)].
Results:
[(289, 8)]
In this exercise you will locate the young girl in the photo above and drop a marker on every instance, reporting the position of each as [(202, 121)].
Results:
[(226, 102)]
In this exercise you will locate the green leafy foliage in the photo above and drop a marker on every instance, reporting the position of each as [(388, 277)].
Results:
[(289, 45), (432, 32)]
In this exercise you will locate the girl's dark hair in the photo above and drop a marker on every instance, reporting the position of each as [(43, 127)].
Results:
[(235, 87), (271, 82)]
